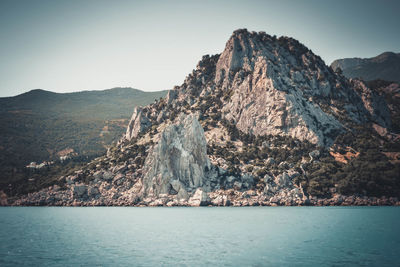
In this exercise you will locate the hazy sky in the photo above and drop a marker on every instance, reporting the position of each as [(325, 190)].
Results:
[(66, 46)]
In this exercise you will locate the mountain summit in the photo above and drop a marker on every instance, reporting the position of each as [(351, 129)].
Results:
[(265, 122), (277, 86)]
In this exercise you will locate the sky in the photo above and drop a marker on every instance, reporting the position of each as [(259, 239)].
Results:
[(66, 46)]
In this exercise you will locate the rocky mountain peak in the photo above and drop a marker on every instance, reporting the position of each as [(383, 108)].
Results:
[(273, 86), (245, 48), (249, 126), (271, 82)]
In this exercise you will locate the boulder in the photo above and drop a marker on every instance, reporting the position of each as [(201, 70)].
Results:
[(79, 191), (93, 191), (247, 180), (267, 178), (269, 189), (283, 180), (182, 194), (237, 185), (226, 201), (200, 198), (218, 201), (107, 176), (3, 199)]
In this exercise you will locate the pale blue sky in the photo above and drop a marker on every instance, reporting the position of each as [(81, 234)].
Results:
[(66, 46)]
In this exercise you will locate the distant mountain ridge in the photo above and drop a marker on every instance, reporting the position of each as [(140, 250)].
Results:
[(385, 66), (116, 101), (37, 125)]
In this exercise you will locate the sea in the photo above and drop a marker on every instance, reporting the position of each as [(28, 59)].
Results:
[(204, 236)]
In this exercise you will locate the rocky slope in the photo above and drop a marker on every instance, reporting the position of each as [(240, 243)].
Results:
[(390, 91), (266, 122), (385, 66)]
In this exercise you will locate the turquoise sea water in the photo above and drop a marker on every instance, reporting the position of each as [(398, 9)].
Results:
[(250, 236)]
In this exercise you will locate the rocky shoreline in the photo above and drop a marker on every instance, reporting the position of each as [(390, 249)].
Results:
[(178, 172), (219, 198)]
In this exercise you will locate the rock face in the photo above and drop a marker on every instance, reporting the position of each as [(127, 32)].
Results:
[(79, 191), (276, 86), (179, 161), (138, 123), (373, 103)]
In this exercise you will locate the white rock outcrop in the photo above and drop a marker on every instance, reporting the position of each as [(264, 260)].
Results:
[(278, 86), (199, 198), (138, 123), (179, 162), (271, 87)]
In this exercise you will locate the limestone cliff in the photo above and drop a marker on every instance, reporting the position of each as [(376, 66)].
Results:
[(179, 162), (280, 87)]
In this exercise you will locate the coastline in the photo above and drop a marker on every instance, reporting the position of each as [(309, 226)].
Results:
[(228, 198)]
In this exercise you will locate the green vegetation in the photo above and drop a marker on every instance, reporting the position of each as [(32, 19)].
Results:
[(36, 125), (371, 173), (30, 180)]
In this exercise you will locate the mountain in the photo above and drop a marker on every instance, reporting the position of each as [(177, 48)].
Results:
[(42, 126), (385, 66), (265, 122)]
